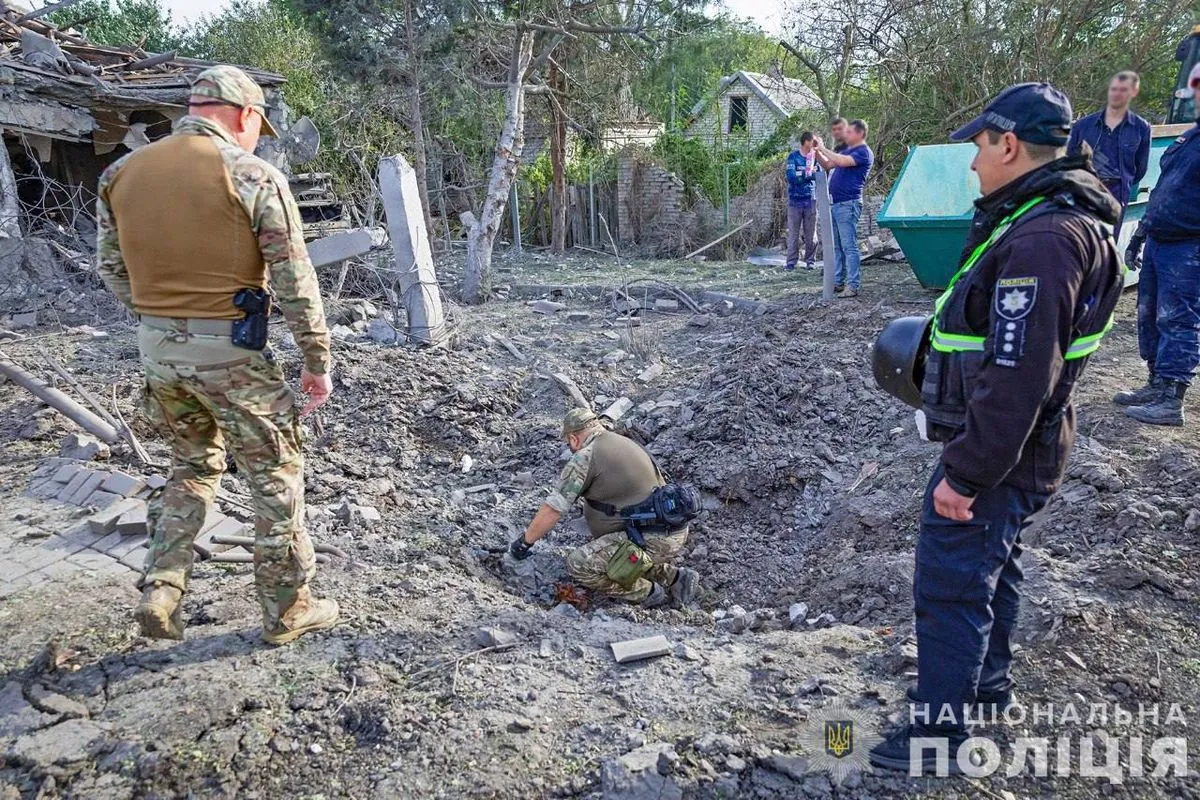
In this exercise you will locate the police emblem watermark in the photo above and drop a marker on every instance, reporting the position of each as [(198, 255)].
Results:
[(838, 740), (1077, 741)]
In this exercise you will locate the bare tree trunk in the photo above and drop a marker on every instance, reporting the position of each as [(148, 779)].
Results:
[(418, 122), (481, 232), (558, 160)]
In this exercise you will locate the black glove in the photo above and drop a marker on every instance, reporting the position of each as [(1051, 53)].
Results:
[(520, 549), (1133, 253)]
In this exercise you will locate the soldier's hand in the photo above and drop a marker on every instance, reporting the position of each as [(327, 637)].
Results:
[(317, 387), (952, 505), (520, 549)]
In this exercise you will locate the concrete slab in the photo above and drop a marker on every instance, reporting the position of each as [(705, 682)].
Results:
[(56, 570), (11, 588), (101, 499), (44, 489), (86, 488), (339, 247), (133, 521), (618, 409), (105, 520), (110, 541), (11, 570), (639, 649), (155, 481), (66, 472), (126, 546), (414, 258), (91, 560), (122, 484), (135, 559), (72, 485)]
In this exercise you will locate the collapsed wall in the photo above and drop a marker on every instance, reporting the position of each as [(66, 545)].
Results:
[(659, 216)]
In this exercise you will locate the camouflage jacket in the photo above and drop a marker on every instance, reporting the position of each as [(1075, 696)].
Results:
[(264, 193), (567, 492)]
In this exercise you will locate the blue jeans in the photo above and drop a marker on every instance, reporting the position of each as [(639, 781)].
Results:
[(1169, 309), (965, 592), (847, 261)]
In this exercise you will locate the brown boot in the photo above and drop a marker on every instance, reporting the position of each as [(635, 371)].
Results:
[(307, 614), (158, 615)]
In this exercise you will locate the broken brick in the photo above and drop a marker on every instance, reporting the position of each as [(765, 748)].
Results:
[(85, 489), (638, 649), (66, 472), (105, 520), (101, 499), (122, 484), (133, 521), (77, 480)]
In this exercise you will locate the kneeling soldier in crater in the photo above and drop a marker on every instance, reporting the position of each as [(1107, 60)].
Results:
[(638, 520)]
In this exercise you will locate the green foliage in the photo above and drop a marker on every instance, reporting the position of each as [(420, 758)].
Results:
[(131, 22), (702, 168), (777, 143), (695, 62), (269, 34)]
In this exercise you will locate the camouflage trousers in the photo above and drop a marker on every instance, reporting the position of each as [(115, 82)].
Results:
[(588, 564), (206, 395)]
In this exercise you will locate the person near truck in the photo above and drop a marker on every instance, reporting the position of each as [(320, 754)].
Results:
[(1009, 339), (610, 472), (849, 170), (1119, 138), (1169, 283), (190, 230), (802, 211)]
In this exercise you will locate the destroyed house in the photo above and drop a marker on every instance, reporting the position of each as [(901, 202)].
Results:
[(748, 107), (69, 108)]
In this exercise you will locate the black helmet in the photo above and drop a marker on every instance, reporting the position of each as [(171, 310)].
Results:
[(898, 359)]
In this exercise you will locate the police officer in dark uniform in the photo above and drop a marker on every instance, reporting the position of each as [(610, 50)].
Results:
[(1035, 291), (1169, 286)]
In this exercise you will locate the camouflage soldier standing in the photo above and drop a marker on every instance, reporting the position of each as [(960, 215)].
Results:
[(185, 224), (610, 470)]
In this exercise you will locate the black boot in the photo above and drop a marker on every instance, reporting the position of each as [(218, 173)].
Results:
[(1137, 397), (1166, 410), (895, 752)]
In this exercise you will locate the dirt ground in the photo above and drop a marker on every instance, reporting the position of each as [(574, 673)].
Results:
[(456, 675)]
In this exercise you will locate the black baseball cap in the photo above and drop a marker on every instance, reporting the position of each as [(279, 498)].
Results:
[(1036, 112)]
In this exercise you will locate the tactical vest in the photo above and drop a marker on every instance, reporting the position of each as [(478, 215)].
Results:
[(621, 473), (956, 356), (186, 239)]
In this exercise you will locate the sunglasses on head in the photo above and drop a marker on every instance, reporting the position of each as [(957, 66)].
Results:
[(219, 102)]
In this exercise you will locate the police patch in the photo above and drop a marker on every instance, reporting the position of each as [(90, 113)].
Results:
[(1015, 297)]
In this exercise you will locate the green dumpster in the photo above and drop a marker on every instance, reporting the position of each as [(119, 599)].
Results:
[(930, 206)]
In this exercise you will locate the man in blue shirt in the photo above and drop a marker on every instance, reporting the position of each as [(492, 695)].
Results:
[(1169, 286), (850, 169), (1120, 139), (801, 214)]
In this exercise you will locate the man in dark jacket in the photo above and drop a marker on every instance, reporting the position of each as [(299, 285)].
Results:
[(1038, 282), (1119, 138), (802, 211), (1169, 286)]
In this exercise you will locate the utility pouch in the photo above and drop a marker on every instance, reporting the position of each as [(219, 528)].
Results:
[(628, 564), (251, 331)]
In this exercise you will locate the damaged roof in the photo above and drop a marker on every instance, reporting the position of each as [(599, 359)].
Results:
[(784, 96), (55, 84)]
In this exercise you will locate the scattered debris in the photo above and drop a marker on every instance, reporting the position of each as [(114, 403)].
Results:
[(640, 649)]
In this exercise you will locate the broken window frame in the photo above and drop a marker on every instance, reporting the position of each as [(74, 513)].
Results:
[(738, 123)]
